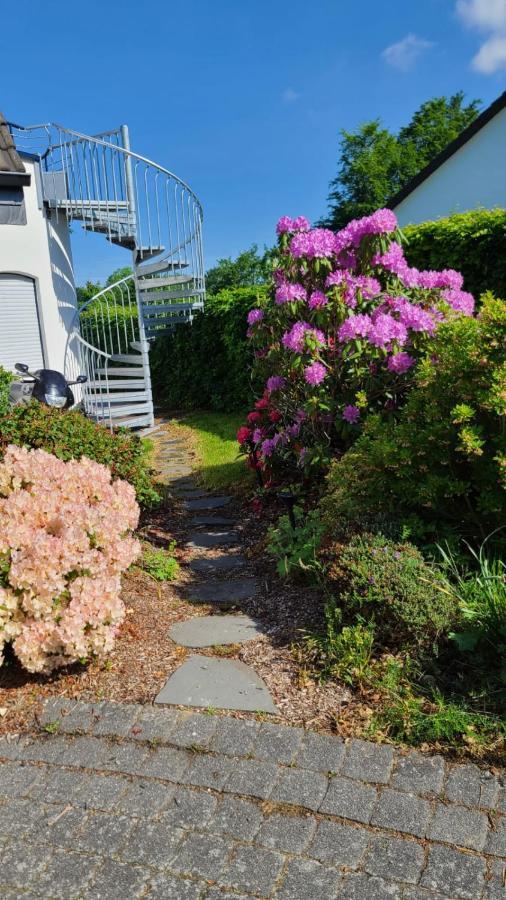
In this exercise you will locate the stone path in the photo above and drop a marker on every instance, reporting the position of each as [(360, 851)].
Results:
[(127, 801)]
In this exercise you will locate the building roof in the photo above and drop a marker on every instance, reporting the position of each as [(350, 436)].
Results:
[(466, 135), (12, 169)]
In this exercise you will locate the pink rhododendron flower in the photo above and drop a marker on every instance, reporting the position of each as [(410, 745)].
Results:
[(275, 383), (318, 243), (460, 301), (286, 224), (385, 329), (315, 373), (351, 414), (286, 293), (254, 316), (317, 300), (400, 362), (243, 434), (295, 338), (353, 327)]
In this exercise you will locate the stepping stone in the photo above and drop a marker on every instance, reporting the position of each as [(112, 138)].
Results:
[(224, 594), (218, 564), (221, 683), (211, 630), (170, 473), (212, 521), (212, 538), (189, 493), (207, 503)]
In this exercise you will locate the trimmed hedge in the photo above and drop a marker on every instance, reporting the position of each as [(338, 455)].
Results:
[(5, 383), (207, 365), (474, 243)]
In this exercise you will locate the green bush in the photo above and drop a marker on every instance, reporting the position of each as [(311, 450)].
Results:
[(5, 383), (69, 435), (474, 243), (160, 563), (295, 549), (207, 365), (391, 585), (442, 464)]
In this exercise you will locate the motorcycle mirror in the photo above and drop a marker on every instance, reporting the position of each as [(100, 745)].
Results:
[(21, 367)]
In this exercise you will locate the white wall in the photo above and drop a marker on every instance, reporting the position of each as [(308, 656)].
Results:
[(41, 250), (473, 177)]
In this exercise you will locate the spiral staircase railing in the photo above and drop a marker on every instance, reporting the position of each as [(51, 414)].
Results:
[(140, 206)]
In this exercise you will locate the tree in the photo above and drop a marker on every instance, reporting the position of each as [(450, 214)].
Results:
[(374, 163), (247, 269)]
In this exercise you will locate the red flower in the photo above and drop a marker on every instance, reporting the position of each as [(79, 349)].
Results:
[(243, 434), (253, 417), (263, 403), (257, 506), (274, 415)]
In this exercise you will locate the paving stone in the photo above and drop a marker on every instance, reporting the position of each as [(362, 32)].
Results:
[(459, 825), (16, 780), (61, 787), (419, 774), (253, 777), (290, 834), (368, 762), (395, 859), (278, 742), (66, 875), (20, 817), (103, 833), (402, 812), (215, 893), (472, 786), (234, 737), (360, 886), (496, 843), (300, 788), (202, 854), (114, 879), (339, 845), (21, 863), (224, 594), (420, 893), (100, 791), (207, 631), (349, 799), (152, 843), (220, 683), (156, 725), (305, 879), (207, 503), (253, 869), (217, 564), (212, 521), (194, 730), (11, 746), (59, 826), (190, 809), (84, 752), (129, 758), (237, 818), (189, 493), (167, 763), (71, 716), (198, 539), (115, 719), (43, 749), (209, 771), (169, 887), (447, 868), (320, 752), (146, 798), (495, 884)]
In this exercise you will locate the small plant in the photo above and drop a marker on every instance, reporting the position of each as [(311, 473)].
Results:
[(5, 382), (160, 563), (295, 549), (52, 727), (344, 653)]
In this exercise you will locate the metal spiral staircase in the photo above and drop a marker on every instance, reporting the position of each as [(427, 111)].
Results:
[(138, 205)]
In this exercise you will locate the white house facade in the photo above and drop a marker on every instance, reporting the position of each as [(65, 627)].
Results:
[(468, 174)]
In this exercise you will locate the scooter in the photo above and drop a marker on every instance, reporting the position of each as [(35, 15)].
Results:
[(47, 386)]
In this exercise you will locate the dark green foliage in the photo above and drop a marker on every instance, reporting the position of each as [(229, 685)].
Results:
[(69, 435), (391, 585), (295, 549), (442, 463), (207, 364), (247, 269), (374, 163), (5, 383), (474, 243)]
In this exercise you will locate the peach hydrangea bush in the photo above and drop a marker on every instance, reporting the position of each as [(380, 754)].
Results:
[(65, 538)]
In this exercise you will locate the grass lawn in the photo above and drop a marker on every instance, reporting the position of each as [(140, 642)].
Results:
[(212, 435)]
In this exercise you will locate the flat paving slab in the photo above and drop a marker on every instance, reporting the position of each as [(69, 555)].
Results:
[(208, 631), (224, 594), (212, 521), (220, 683), (207, 503), (217, 564), (169, 473), (212, 538)]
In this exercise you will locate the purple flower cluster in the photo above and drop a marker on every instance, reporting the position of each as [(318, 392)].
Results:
[(369, 287), (413, 316), (351, 414), (286, 292), (460, 301), (286, 224), (255, 316), (317, 300), (386, 330), (316, 244), (383, 221), (393, 260), (353, 327), (315, 373), (400, 363), (295, 339), (275, 383)]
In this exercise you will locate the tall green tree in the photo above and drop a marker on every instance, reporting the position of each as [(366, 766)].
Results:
[(248, 268), (374, 163)]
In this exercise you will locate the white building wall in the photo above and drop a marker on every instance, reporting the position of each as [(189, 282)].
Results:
[(41, 250), (474, 177)]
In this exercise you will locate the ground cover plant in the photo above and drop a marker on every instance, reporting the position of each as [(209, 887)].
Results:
[(160, 562), (65, 539), (68, 434)]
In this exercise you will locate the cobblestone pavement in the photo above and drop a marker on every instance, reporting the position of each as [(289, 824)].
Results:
[(119, 801)]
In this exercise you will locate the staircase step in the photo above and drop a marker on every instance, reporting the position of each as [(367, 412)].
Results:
[(158, 296), (138, 345), (155, 309), (134, 421), (113, 383), (147, 252), (127, 397), (127, 357), (89, 205), (162, 265), (147, 284), (104, 410), (124, 371), (125, 240)]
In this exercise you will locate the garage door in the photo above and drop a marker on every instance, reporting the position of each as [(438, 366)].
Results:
[(20, 339)]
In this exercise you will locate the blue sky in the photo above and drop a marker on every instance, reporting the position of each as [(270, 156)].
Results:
[(242, 100)]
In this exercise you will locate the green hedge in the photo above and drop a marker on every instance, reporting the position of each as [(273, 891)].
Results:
[(5, 383), (207, 364), (474, 243)]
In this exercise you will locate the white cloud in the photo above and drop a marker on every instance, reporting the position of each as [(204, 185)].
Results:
[(289, 95), (487, 16), (404, 54)]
